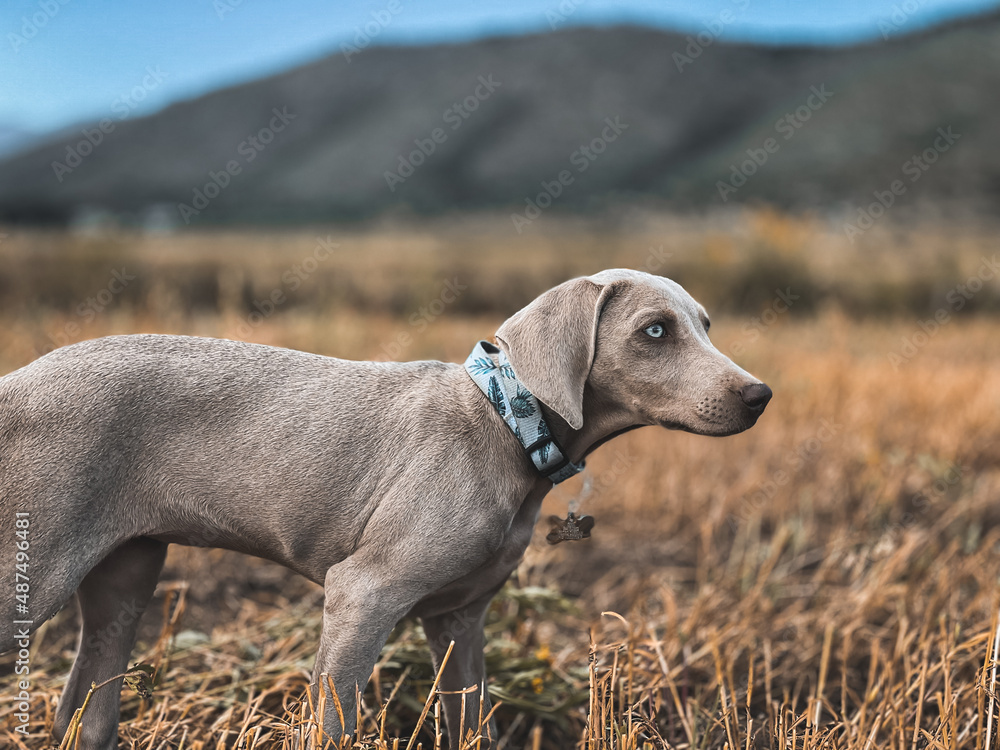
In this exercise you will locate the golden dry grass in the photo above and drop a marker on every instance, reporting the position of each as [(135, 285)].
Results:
[(825, 580)]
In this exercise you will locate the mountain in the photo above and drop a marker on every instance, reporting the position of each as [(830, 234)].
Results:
[(574, 118), (14, 138)]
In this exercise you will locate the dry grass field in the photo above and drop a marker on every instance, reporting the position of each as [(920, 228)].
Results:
[(829, 579)]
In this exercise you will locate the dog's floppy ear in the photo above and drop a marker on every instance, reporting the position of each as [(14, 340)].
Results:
[(550, 344)]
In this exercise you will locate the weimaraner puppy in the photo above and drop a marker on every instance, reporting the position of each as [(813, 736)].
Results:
[(402, 488)]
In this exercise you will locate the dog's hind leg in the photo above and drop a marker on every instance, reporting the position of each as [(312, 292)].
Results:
[(111, 598)]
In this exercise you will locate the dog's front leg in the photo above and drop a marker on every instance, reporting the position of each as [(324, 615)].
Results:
[(465, 669), (361, 608)]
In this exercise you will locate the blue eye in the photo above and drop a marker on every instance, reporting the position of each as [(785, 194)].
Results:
[(656, 331)]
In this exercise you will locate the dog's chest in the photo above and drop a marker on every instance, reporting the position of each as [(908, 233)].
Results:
[(490, 576)]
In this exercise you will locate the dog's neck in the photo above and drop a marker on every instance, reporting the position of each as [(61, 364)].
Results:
[(602, 421), (521, 411), (489, 371)]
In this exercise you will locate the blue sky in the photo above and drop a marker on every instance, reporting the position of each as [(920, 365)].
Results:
[(67, 61)]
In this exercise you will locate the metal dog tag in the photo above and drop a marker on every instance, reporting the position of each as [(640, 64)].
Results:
[(570, 529)]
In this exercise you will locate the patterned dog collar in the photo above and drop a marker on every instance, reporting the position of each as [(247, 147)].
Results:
[(491, 371)]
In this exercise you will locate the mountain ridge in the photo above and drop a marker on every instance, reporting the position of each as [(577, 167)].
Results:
[(690, 127)]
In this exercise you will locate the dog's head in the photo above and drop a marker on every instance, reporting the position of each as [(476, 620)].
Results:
[(640, 344)]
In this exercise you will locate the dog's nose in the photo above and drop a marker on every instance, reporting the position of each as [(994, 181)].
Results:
[(756, 395)]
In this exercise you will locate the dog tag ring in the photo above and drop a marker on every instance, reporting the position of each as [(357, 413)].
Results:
[(570, 529)]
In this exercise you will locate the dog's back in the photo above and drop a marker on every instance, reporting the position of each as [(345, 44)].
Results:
[(200, 441)]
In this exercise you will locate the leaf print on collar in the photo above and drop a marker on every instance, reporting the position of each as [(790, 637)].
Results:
[(481, 365), (490, 369), (521, 403), (496, 397)]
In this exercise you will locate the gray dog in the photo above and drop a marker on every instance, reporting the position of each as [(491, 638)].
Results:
[(402, 488)]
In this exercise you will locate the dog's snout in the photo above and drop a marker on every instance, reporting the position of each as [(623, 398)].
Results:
[(755, 395)]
